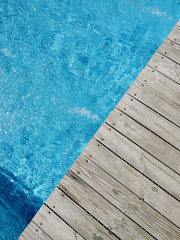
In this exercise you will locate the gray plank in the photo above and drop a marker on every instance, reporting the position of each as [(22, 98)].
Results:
[(175, 35), (166, 66), (31, 236), (140, 159), (132, 179), (146, 139), (170, 50), (54, 226), (129, 203), (125, 184), (22, 238), (101, 209), (178, 24), (159, 103), (161, 84), (37, 231), (77, 218), (150, 119), (33, 232)]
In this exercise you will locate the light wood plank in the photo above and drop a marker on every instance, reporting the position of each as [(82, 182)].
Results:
[(166, 66), (178, 24), (175, 35), (129, 203), (76, 217), (151, 120), (132, 179), (54, 226), (161, 84), (31, 236), (22, 238), (140, 159), (126, 182), (33, 232), (37, 231), (146, 139), (171, 50), (101, 209), (159, 103)]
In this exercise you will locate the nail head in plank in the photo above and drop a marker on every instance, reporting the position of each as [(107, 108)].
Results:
[(54, 226), (131, 178), (155, 101), (76, 217), (150, 119), (161, 84), (100, 180), (101, 209), (170, 50), (146, 139)]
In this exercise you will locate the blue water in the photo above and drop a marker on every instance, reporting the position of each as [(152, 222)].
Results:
[(64, 65)]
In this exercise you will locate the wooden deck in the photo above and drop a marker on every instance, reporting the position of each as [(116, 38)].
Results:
[(126, 183)]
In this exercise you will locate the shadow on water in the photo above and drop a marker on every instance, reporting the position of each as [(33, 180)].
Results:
[(16, 202)]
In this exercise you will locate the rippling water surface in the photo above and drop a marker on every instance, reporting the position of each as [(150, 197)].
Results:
[(64, 65)]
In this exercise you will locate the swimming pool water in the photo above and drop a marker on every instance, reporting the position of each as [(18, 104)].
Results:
[(64, 65)]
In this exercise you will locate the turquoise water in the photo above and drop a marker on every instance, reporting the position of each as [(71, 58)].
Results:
[(64, 65)]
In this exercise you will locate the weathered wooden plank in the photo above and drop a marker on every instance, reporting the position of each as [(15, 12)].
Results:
[(146, 139), (37, 231), (161, 84), (178, 24), (132, 179), (31, 236), (159, 103), (140, 159), (22, 238), (166, 66), (76, 217), (150, 119), (129, 203), (175, 35), (171, 50), (125, 184), (33, 232), (54, 226), (101, 209)]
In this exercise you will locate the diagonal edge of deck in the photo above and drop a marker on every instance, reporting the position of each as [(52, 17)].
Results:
[(125, 184)]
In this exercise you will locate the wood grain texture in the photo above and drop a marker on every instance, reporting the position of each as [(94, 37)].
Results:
[(161, 84), (145, 139), (76, 217), (35, 233), (178, 24), (120, 196), (126, 183), (171, 50), (165, 66), (54, 226), (22, 238), (155, 101), (101, 209), (175, 35), (158, 102), (150, 119), (143, 163)]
